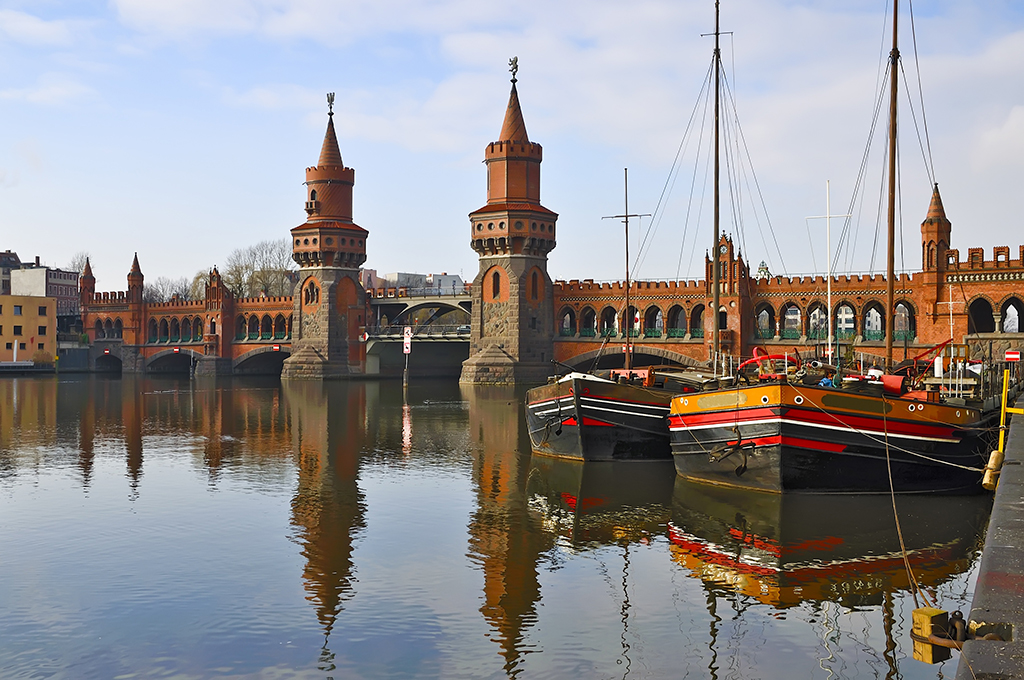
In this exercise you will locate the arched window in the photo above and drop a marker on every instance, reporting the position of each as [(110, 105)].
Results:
[(213, 327), (496, 285), (533, 286), (979, 318), (153, 333), (164, 330), (903, 323), (240, 328), (874, 323), (280, 328), (1012, 310), (791, 322), (697, 321), (846, 322), (118, 329), (630, 323), (817, 322), (588, 323), (254, 327), (653, 322), (266, 328), (312, 195), (609, 323), (764, 323), (676, 322), (99, 330), (108, 329), (566, 321), (186, 330)]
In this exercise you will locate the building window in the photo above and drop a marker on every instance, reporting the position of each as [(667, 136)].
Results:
[(42, 330), (10, 345), (41, 346), (21, 345), (17, 310), (17, 330), (42, 311), (496, 285)]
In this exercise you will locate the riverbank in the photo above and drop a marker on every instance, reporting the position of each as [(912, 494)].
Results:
[(999, 596)]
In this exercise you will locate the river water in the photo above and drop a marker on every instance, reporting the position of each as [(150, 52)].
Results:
[(249, 528)]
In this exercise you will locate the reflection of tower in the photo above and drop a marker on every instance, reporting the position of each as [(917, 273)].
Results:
[(86, 436), (328, 431), (330, 304), (513, 308), (500, 536), (133, 403)]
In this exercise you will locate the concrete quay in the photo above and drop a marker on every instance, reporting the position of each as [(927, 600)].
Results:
[(998, 604)]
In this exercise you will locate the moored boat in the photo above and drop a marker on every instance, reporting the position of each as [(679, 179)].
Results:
[(619, 414)]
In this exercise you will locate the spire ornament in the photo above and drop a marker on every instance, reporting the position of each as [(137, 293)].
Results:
[(513, 67), (330, 103)]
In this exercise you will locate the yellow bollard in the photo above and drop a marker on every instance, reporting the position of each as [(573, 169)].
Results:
[(991, 477), (928, 621)]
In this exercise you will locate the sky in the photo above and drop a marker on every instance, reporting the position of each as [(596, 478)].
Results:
[(182, 130)]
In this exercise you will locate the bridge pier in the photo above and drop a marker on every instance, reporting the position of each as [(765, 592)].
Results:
[(210, 365)]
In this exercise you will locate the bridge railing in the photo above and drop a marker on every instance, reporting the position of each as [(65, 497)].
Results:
[(406, 292), (422, 331)]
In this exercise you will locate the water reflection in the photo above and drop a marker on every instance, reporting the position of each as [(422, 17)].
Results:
[(412, 533), (328, 433), (784, 550)]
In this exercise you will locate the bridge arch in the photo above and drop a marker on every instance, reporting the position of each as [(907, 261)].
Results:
[(169, 361), (262, 360), (643, 355)]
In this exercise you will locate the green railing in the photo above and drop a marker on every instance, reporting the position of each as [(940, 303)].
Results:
[(790, 334), (609, 333), (677, 332), (697, 333), (279, 335), (566, 332), (652, 333), (818, 334), (588, 332), (634, 333), (874, 335), (900, 336), (254, 335), (846, 335), (764, 333)]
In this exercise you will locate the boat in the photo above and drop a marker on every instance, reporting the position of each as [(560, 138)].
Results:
[(779, 430), (618, 414)]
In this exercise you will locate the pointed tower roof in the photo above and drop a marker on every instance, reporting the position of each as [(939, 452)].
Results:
[(329, 152), (935, 209), (87, 270), (514, 127), (135, 266)]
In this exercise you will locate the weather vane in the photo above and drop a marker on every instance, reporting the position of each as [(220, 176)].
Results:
[(513, 66), (330, 103)]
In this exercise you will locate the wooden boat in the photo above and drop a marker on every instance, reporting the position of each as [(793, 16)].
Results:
[(782, 432)]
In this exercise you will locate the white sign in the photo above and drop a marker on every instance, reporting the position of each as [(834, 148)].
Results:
[(1013, 355), (407, 332), (407, 345)]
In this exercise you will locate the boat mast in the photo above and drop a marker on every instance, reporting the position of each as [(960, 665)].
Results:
[(629, 319), (890, 274), (715, 275)]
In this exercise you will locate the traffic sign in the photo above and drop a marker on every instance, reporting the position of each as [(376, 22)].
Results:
[(407, 346), (407, 333), (1013, 355)]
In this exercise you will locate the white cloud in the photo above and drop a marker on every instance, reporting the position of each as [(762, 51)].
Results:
[(31, 30), (50, 89)]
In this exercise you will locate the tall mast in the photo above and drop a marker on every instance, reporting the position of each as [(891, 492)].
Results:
[(890, 273), (629, 318), (715, 275)]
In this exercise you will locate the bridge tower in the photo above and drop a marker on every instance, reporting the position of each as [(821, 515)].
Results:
[(330, 304), (512, 338)]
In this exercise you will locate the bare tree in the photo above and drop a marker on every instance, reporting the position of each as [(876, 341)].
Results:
[(265, 268), (77, 262), (197, 289), (163, 289)]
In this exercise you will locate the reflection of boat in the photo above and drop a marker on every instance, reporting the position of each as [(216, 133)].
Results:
[(785, 549), (613, 415), (603, 503)]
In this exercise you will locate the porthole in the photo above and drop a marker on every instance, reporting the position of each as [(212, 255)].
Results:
[(490, 226), (314, 241), (533, 227), (764, 399), (920, 407), (519, 225), (479, 227), (501, 225), (686, 402), (305, 241), (912, 407), (360, 241), (958, 414), (298, 241), (798, 400), (330, 240)]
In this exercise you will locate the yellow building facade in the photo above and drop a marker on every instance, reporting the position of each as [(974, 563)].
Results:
[(28, 326)]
